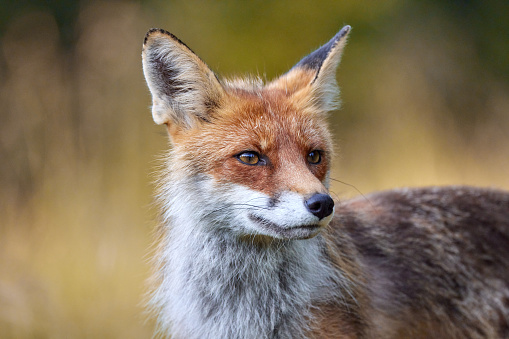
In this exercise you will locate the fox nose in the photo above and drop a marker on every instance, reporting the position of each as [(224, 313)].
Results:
[(321, 205)]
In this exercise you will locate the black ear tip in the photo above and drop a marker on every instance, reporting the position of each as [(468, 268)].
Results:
[(340, 36), (344, 31), (155, 32), (152, 31), (315, 59)]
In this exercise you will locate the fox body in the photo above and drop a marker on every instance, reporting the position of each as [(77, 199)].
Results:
[(253, 246)]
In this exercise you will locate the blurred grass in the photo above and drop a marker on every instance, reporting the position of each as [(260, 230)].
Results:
[(426, 101)]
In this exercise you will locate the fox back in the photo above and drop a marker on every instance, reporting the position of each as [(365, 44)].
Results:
[(253, 246)]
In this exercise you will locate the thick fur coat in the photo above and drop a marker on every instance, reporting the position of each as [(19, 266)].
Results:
[(252, 245)]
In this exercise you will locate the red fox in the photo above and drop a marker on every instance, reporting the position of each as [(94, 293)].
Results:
[(253, 246)]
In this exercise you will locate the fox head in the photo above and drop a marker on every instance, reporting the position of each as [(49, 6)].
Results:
[(254, 158)]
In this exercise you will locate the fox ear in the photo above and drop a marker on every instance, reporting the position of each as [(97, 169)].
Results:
[(312, 81), (184, 90)]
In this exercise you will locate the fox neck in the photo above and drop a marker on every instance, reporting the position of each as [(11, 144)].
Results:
[(216, 284)]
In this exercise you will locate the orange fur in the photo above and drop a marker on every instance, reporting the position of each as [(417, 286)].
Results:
[(261, 250), (270, 124)]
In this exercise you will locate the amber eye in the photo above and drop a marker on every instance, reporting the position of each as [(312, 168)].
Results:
[(314, 157), (249, 158)]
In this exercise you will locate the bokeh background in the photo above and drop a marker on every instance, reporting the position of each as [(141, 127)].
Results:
[(425, 88)]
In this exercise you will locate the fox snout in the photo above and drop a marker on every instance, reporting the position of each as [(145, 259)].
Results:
[(289, 216), (320, 205)]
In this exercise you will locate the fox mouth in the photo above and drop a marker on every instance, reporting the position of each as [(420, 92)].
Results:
[(295, 232)]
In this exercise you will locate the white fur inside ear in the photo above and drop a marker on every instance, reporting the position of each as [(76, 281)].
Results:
[(183, 88), (160, 112)]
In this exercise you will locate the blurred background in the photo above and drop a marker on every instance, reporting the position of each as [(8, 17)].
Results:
[(425, 88)]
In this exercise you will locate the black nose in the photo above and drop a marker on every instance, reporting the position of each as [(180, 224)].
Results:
[(321, 205)]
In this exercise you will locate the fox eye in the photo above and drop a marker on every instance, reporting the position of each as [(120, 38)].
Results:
[(314, 157), (249, 158)]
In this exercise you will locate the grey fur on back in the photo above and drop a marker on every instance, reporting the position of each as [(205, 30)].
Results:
[(430, 263), (436, 259)]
